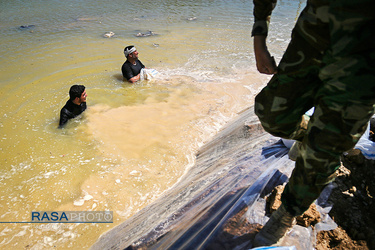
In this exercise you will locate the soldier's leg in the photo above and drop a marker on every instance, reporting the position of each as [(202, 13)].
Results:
[(343, 105), (289, 94), (332, 130)]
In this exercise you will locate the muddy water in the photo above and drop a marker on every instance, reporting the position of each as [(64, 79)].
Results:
[(134, 141)]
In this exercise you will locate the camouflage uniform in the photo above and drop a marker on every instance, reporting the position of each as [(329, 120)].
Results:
[(329, 65)]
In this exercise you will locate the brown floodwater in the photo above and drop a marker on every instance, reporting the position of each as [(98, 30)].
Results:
[(135, 140)]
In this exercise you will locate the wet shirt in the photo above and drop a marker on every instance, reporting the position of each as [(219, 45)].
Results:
[(130, 70), (69, 111)]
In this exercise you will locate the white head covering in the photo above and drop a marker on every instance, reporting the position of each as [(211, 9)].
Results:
[(129, 51)]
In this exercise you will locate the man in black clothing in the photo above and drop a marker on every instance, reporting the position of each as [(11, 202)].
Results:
[(75, 105), (131, 69)]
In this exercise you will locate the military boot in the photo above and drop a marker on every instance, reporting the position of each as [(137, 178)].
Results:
[(275, 229)]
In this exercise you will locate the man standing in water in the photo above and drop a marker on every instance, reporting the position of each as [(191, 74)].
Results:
[(75, 105), (132, 67), (329, 65)]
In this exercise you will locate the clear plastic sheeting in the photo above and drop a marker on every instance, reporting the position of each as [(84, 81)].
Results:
[(366, 145), (276, 248), (219, 203)]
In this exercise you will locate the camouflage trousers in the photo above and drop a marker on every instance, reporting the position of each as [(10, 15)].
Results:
[(329, 65)]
